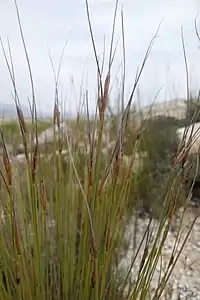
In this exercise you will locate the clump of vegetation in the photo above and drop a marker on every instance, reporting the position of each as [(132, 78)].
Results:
[(160, 143), (193, 109), (63, 228)]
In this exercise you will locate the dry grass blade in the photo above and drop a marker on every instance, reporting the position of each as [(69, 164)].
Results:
[(127, 110), (124, 61), (83, 193), (187, 80), (26, 53), (119, 142), (33, 109), (56, 115), (94, 47), (10, 69), (113, 32)]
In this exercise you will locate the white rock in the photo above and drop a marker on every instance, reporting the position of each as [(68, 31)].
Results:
[(191, 132)]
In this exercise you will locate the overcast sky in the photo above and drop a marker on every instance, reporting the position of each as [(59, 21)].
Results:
[(47, 24)]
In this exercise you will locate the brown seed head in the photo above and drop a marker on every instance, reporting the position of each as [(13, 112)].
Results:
[(43, 195), (93, 281), (7, 165), (34, 161), (21, 120), (56, 116), (104, 101), (93, 248)]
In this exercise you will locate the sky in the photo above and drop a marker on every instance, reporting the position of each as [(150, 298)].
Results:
[(48, 25)]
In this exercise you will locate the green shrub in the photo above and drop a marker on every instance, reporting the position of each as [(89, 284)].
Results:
[(160, 142)]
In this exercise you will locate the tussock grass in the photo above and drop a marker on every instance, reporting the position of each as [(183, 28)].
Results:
[(62, 234)]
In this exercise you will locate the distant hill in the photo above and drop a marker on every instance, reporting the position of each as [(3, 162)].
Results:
[(9, 111)]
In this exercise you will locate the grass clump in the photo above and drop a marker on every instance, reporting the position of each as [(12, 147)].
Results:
[(62, 234)]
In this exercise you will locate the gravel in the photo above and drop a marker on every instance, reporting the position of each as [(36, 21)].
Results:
[(184, 282)]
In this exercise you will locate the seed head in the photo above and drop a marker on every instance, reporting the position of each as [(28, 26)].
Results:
[(43, 195), (7, 165)]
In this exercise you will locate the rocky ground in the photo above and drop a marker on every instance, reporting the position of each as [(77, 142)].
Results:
[(184, 282)]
